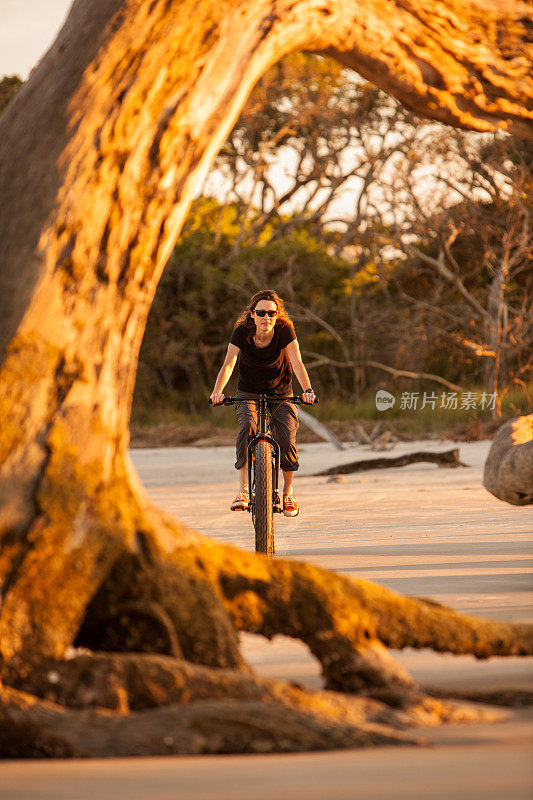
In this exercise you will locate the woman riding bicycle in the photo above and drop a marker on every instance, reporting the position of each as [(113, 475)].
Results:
[(265, 340)]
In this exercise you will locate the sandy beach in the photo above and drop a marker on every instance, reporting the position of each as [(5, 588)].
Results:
[(420, 530)]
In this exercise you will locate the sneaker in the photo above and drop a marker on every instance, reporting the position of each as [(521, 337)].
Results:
[(290, 506), (241, 502)]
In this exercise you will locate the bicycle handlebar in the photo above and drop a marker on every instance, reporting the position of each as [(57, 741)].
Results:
[(229, 401)]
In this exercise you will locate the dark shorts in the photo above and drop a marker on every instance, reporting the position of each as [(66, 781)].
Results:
[(284, 427)]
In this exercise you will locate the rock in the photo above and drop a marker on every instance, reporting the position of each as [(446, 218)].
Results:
[(508, 471)]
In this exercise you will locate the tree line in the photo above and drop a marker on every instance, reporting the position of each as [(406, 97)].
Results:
[(402, 248)]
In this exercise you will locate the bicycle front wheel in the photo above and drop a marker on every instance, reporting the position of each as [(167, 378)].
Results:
[(263, 501)]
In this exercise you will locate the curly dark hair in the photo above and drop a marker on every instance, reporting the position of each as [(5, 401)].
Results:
[(245, 317)]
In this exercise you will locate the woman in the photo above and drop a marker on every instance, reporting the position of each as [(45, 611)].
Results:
[(265, 340)]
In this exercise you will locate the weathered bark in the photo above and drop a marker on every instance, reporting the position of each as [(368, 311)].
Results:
[(508, 471), (199, 712), (448, 459), (101, 153), (36, 729), (136, 682), (507, 697)]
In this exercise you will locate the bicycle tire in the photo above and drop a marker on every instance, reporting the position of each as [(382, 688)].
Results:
[(263, 502)]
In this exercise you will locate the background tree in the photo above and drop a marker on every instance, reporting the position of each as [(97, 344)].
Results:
[(462, 212), (354, 219)]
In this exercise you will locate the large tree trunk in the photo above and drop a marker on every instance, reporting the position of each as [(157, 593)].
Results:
[(101, 153)]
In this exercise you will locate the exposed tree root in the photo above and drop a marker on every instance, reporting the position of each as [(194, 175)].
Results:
[(160, 705), (165, 590), (337, 616), (134, 682), (347, 624), (101, 567), (33, 728), (509, 697)]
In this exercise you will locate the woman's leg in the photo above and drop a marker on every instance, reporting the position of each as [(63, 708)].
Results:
[(285, 425), (247, 416), (287, 481)]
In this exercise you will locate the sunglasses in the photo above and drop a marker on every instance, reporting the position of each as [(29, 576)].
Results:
[(262, 313)]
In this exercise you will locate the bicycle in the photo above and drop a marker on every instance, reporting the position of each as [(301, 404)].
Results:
[(263, 462)]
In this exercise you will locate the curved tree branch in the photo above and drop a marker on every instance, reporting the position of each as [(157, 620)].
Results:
[(398, 373)]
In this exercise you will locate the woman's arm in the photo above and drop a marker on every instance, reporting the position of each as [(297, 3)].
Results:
[(293, 352), (225, 374)]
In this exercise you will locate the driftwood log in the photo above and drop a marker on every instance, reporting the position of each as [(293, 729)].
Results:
[(508, 471), (101, 153), (321, 430), (450, 459)]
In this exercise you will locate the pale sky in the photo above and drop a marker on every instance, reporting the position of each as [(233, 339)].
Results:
[(27, 29)]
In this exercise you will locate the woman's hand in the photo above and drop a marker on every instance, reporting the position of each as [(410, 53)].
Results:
[(217, 398), (308, 396)]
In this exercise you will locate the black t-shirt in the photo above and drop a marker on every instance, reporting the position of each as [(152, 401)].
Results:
[(264, 370)]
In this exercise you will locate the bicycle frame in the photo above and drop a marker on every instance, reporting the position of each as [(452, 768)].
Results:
[(264, 496)]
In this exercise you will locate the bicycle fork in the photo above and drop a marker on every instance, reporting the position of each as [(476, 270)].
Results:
[(276, 497)]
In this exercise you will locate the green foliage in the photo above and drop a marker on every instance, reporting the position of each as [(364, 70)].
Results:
[(197, 302), (366, 287)]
